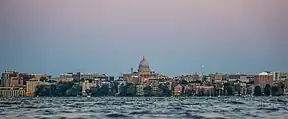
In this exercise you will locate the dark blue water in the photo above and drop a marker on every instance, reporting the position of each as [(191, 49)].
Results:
[(144, 108)]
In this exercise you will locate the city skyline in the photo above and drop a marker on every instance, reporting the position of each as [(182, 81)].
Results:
[(112, 36)]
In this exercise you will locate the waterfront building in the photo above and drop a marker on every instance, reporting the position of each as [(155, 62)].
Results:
[(140, 90), (188, 90), (31, 86), (13, 79), (85, 86), (18, 79), (143, 75), (178, 90), (12, 92), (263, 78)]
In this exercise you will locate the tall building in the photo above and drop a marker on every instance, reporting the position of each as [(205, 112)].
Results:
[(15, 79), (143, 75)]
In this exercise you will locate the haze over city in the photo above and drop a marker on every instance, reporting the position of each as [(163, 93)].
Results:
[(112, 36)]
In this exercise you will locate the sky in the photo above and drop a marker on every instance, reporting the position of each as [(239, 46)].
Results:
[(112, 36)]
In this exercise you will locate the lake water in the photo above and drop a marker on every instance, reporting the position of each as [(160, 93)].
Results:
[(144, 108)]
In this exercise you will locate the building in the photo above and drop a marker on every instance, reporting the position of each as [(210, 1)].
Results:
[(140, 90), (32, 85), (279, 76), (251, 78), (85, 86), (177, 90), (18, 79), (264, 78), (86, 76), (67, 76), (12, 92), (143, 75), (63, 79), (12, 79), (243, 79), (283, 76), (218, 77), (20, 84), (39, 76)]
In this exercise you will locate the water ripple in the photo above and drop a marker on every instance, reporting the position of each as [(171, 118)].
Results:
[(144, 108)]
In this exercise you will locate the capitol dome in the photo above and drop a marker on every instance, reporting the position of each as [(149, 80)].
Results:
[(143, 66)]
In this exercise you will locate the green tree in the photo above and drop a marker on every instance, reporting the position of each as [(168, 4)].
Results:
[(131, 90), (274, 90), (122, 90), (75, 90), (229, 89), (257, 91), (43, 79), (165, 91), (95, 91), (267, 90), (147, 90), (42, 90), (281, 87), (104, 90), (183, 82), (238, 88)]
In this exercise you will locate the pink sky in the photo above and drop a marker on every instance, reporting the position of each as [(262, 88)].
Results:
[(140, 27)]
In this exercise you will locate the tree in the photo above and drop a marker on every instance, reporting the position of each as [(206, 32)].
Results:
[(205, 78), (165, 90), (229, 88), (274, 90), (42, 90), (257, 91), (104, 90), (147, 90), (95, 91), (43, 79), (75, 90), (114, 87), (122, 90), (131, 90), (267, 90), (183, 82), (238, 88), (281, 87)]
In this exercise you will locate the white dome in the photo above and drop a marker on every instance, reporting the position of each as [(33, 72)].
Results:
[(143, 66)]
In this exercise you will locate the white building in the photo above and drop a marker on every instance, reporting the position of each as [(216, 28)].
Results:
[(140, 90)]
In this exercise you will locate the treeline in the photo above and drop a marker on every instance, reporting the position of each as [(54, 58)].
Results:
[(59, 90), (73, 89)]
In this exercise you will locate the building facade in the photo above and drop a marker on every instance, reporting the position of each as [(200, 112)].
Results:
[(143, 75), (32, 85), (12, 92), (264, 78)]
